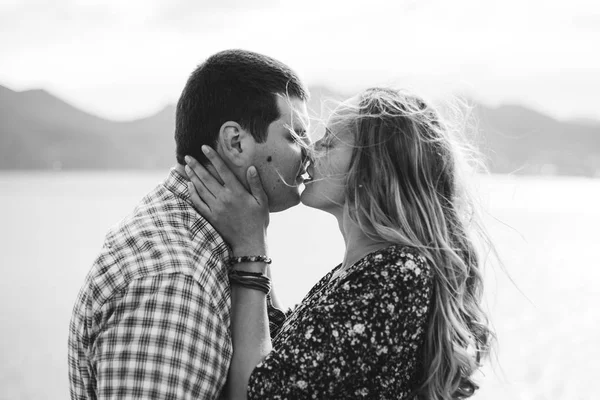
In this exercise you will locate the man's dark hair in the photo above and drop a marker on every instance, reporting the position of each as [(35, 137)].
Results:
[(232, 85)]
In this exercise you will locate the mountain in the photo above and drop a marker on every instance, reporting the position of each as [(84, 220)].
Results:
[(41, 131), (517, 139)]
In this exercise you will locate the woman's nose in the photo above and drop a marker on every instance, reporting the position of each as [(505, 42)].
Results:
[(306, 154)]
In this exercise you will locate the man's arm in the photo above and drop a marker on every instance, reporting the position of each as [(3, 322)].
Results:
[(275, 311), (273, 297), (164, 339)]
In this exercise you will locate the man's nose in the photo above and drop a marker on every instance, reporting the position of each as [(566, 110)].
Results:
[(307, 140), (305, 153), (307, 145)]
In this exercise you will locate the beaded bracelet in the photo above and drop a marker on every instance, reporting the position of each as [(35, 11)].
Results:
[(245, 259)]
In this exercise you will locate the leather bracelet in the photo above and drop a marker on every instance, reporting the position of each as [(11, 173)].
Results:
[(245, 259), (246, 273), (250, 280)]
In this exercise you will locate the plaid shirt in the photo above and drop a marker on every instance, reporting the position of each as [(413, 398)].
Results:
[(152, 320)]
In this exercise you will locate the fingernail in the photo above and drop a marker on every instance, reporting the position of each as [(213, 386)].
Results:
[(187, 159), (205, 149), (188, 169), (252, 170)]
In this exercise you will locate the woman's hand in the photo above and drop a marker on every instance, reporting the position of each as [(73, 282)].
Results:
[(241, 217)]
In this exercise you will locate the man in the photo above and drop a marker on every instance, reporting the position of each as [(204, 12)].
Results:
[(152, 318)]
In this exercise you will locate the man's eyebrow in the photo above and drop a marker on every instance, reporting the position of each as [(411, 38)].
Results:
[(297, 129)]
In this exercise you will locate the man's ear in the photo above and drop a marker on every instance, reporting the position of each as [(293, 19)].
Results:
[(237, 144)]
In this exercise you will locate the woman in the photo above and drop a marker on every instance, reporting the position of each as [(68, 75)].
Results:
[(401, 316)]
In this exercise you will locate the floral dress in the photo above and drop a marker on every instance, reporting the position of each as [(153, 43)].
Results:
[(359, 335)]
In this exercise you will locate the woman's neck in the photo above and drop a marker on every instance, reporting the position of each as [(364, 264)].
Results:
[(358, 245)]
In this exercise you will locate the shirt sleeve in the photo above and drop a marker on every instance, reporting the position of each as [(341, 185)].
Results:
[(163, 340), (367, 335)]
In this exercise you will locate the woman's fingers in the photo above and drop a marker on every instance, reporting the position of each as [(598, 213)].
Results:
[(256, 187), (201, 177), (199, 187), (200, 206), (222, 169)]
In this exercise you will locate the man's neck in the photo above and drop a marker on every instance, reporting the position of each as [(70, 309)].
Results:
[(181, 170)]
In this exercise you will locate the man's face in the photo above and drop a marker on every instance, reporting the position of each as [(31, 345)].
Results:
[(280, 159)]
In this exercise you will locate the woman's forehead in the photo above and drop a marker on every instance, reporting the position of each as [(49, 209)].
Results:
[(341, 121), (345, 110)]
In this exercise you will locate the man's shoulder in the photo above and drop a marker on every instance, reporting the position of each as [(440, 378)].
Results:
[(159, 208), (163, 235)]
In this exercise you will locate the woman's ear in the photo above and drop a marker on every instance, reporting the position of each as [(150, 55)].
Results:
[(237, 144)]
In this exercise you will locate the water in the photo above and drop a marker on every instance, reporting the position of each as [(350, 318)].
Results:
[(546, 231)]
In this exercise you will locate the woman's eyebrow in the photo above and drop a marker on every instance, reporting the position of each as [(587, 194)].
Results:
[(300, 131)]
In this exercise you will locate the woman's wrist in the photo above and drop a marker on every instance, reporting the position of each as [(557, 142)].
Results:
[(251, 248), (250, 280), (250, 263)]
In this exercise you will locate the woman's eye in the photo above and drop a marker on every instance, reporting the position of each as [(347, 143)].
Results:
[(327, 144)]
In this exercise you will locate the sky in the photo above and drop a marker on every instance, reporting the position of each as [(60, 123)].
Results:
[(127, 59)]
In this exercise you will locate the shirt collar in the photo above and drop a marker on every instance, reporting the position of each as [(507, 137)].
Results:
[(177, 184)]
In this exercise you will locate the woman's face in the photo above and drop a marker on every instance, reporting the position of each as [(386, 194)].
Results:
[(326, 188)]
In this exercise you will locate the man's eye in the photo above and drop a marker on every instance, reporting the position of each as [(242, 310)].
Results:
[(292, 137)]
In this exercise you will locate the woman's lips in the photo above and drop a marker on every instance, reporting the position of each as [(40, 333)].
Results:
[(307, 177), (304, 176)]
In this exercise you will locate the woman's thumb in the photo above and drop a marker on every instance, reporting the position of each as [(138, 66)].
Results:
[(256, 188)]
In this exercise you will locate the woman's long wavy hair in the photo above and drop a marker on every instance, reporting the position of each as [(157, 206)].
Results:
[(408, 183)]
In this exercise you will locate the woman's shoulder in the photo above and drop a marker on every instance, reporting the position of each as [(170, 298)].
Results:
[(393, 262)]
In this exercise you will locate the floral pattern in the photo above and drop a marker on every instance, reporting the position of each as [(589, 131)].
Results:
[(358, 335)]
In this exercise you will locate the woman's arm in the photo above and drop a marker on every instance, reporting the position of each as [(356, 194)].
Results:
[(241, 217), (250, 334)]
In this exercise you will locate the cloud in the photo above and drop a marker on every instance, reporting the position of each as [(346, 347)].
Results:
[(89, 47), (589, 22), (29, 25), (203, 15)]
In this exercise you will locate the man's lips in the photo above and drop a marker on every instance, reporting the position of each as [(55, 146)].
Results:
[(304, 175), (307, 175)]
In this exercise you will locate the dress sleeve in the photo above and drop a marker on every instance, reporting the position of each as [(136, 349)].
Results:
[(367, 334), (163, 340), (276, 317)]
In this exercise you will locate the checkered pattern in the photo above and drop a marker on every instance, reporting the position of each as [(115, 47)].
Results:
[(153, 316), (276, 317)]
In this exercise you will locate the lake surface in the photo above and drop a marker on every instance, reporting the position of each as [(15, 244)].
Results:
[(545, 229)]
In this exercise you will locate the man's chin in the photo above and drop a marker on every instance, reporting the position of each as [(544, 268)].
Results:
[(292, 200), (308, 199)]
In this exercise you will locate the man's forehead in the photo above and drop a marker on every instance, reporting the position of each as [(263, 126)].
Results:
[(293, 110)]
